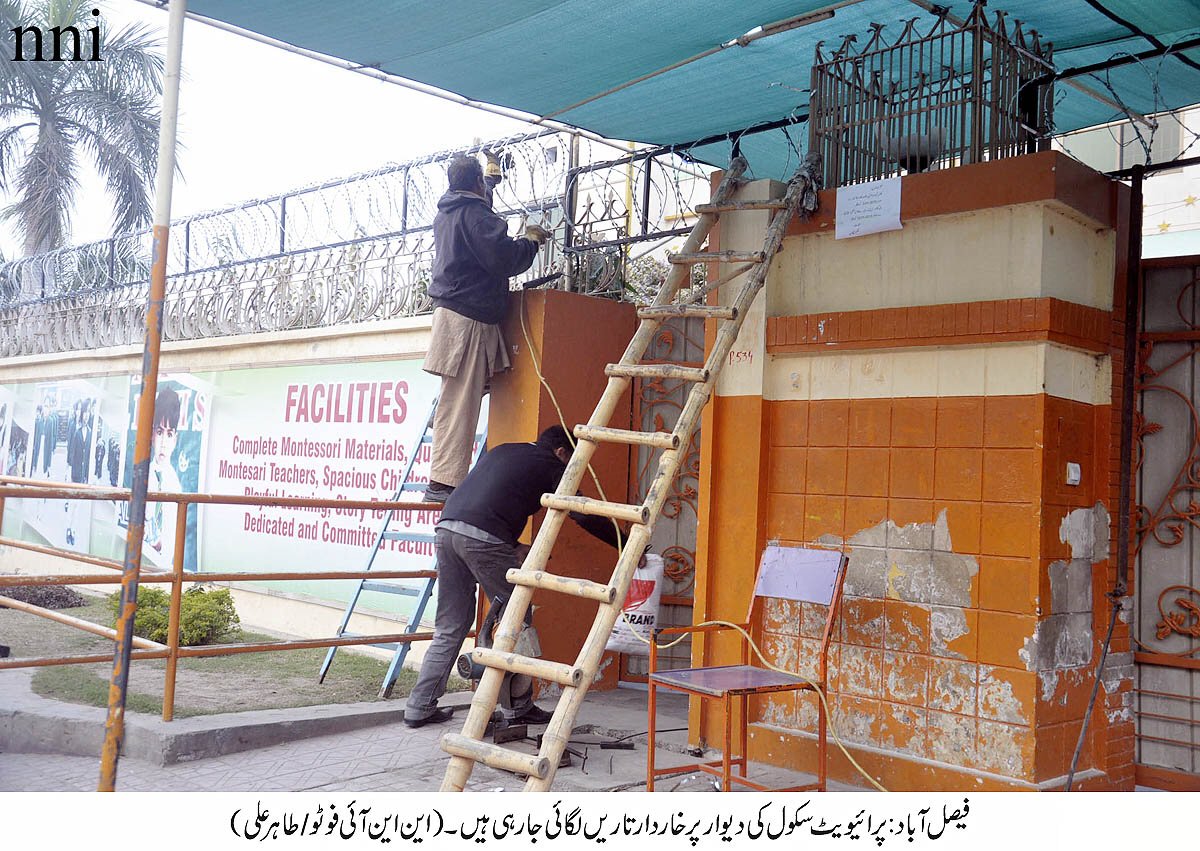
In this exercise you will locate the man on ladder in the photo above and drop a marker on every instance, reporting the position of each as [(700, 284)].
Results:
[(476, 542), (474, 258)]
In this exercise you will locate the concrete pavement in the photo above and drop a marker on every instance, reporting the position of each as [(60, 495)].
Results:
[(352, 748)]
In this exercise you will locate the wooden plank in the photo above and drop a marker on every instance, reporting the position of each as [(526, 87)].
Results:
[(495, 756), (1165, 778), (720, 256), (702, 311), (738, 206)]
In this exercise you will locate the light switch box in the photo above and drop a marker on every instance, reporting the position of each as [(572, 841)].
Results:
[(1074, 474)]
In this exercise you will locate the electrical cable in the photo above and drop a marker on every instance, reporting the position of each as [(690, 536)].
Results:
[(1087, 715)]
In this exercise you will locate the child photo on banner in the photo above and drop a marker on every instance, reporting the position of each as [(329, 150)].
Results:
[(176, 460)]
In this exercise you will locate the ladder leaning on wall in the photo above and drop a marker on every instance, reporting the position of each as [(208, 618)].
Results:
[(467, 748), (422, 592)]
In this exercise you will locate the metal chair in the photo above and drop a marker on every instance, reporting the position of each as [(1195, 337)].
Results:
[(793, 573)]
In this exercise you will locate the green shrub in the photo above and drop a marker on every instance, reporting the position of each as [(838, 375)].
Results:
[(204, 616)]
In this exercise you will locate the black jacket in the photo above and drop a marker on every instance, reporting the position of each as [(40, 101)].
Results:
[(504, 489), (474, 257)]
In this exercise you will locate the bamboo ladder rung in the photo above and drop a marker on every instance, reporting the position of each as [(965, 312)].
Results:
[(654, 439), (701, 311), (723, 256), (738, 206), (495, 756), (656, 370), (570, 585), (515, 663), (597, 507)]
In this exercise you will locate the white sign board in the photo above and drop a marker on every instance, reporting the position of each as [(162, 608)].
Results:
[(865, 208)]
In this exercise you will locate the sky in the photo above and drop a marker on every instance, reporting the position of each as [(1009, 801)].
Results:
[(256, 120)]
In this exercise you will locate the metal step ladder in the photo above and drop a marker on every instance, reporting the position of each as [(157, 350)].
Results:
[(423, 591), (467, 748)]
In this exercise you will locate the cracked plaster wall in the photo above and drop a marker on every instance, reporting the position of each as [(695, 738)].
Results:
[(1063, 640), (902, 675)]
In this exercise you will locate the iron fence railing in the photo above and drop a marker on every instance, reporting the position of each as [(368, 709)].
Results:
[(353, 250)]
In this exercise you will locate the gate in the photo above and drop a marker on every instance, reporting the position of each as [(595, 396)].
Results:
[(1167, 531), (657, 404)]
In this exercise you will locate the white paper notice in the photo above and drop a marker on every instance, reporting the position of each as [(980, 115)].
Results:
[(868, 208)]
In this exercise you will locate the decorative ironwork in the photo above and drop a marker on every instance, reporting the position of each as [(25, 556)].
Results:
[(657, 405), (1178, 508), (1184, 622), (1166, 635), (679, 566), (955, 95), (623, 213)]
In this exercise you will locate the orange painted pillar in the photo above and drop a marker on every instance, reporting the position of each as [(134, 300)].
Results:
[(941, 399)]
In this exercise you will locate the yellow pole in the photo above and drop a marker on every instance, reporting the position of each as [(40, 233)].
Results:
[(114, 727)]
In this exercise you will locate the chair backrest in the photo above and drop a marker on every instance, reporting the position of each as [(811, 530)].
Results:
[(799, 573), (806, 575)]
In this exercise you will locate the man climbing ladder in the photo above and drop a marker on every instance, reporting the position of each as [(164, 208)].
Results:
[(467, 748)]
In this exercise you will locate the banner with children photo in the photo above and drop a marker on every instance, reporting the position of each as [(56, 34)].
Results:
[(58, 432), (177, 455)]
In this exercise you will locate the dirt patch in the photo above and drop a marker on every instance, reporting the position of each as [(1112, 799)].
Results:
[(234, 683)]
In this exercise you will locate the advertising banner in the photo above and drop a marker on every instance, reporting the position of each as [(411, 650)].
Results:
[(344, 431), (53, 431), (338, 431)]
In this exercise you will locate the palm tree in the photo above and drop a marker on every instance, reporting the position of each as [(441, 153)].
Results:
[(58, 115)]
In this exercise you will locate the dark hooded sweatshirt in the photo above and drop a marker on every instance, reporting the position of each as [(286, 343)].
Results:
[(474, 258)]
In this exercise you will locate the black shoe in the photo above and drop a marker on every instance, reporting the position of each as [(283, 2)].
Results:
[(437, 492), (439, 716), (533, 715)]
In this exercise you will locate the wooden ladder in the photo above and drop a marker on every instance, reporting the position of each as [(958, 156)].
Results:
[(467, 748)]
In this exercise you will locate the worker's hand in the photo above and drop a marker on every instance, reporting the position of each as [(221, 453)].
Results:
[(642, 560), (537, 234)]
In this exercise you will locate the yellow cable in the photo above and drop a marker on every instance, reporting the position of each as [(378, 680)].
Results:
[(620, 546)]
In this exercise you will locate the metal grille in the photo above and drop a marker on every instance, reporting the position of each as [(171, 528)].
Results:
[(954, 96), (1166, 632)]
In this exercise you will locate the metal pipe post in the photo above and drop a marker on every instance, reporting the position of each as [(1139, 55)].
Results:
[(1133, 293), (570, 265), (114, 727), (168, 712)]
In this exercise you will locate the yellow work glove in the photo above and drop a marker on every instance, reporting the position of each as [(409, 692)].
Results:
[(536, 233)]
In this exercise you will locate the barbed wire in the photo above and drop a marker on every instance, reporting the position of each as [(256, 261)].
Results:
[(350, 250), (1147, 124)]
